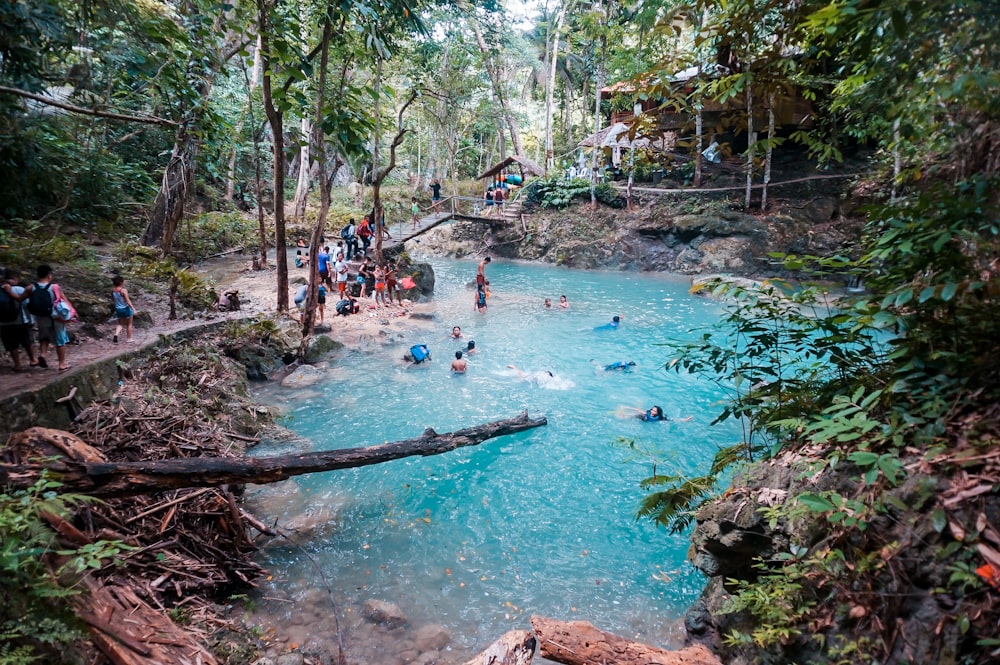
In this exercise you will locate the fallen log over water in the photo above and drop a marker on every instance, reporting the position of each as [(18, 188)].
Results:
[(81, 469), (580, 643)]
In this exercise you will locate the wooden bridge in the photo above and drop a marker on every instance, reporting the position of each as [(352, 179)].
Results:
[(449, 209)]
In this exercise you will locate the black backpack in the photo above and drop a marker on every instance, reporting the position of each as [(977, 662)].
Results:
[(40, 300), (10, 309), (345, 233)]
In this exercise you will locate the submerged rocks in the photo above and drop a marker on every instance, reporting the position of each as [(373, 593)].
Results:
[(384, 613)]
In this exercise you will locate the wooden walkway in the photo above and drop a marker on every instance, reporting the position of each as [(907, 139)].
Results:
[(452, 208)]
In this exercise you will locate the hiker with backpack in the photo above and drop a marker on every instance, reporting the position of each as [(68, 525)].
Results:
[(15, 322), (52, 311), (349, 236)]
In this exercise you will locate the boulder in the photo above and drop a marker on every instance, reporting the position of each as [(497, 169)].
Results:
[(431, 637), (383, 613), (303, 377), (319, 347)]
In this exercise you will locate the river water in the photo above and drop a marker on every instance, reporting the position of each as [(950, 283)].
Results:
[(475, 541)]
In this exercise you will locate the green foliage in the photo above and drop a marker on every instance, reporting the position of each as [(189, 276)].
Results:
[(559, 193), (35, 619), (192, 291), (213, 232)]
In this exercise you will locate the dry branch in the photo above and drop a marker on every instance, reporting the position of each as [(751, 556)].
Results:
[(514, 648), (26, 453)]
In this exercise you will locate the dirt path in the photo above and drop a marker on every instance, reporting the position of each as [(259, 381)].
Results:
[(257, 296)]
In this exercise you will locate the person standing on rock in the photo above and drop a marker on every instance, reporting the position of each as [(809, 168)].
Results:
[(435, 194), (16, 332), (124, 311), (391, 285), (341, 269)]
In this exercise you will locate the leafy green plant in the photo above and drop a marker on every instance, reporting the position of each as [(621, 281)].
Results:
[(559, 193), (35, 616)]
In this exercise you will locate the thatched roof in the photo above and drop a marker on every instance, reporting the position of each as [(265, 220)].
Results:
[(527, 167)]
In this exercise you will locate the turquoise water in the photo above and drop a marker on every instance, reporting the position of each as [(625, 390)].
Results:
[(537, 523)]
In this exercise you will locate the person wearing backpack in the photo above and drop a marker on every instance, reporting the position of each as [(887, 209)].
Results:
[(15, 322), (43, 296), (350, 238)]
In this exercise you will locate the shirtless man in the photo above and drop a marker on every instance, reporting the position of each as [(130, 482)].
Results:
[(459, 364)]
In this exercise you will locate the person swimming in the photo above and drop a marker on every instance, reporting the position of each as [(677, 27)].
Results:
[(612, 324), (653, 415), (620, 365)]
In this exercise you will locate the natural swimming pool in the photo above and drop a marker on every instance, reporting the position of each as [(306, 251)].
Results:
[(543, 522)]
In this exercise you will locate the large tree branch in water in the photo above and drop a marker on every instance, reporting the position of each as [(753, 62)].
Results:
[(82, 469)]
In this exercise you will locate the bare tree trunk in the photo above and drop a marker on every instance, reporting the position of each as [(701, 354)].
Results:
[(770, 151), (751, 145), (176, 184), (305, 171), (550, 89), (598, 84), (82, 468), (275, 120), (494, 75)]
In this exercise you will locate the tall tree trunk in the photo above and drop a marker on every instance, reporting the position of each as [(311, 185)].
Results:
[(317, 138), (770, 150), (494, 74), (305, 172), (377, 186), (176, 184), (275, 120), (598, 84), (551, 59), (305, 130), (751, 145)]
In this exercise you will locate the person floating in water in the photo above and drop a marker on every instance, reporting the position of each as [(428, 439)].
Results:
[(653, 414), (548, 303), (612, 324), (456, 332), (563, 302), (543, 378), (471, 348), (620, 366)]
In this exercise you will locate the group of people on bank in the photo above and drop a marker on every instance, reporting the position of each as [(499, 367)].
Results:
[(39, 312)]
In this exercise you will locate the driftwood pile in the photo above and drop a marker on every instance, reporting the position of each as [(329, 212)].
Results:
[(190, 542)]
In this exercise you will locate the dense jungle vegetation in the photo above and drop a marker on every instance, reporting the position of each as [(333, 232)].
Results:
[(122, 122)]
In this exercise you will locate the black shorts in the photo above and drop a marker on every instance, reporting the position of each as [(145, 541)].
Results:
[(16, 336)]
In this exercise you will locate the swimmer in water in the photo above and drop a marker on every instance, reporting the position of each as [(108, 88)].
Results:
[(543, 379), (653, 414), (620, 366), (612, 324)]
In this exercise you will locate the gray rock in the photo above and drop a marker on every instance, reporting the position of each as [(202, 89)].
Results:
[(384, 613), (320, 346), (432, 637), (290, 659), (303, 377)]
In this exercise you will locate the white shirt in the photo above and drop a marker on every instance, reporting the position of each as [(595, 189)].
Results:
[(340, 267)]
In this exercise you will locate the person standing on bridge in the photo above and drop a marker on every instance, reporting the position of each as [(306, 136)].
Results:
[(498, 195), (435, 195), (415, 209)]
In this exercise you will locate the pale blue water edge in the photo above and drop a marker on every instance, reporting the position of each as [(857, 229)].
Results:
[(542, 522)]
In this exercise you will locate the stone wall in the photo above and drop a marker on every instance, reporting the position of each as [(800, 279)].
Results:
[(94, 381)]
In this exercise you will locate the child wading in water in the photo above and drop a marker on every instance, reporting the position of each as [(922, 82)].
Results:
[(124, 310)]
